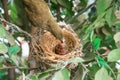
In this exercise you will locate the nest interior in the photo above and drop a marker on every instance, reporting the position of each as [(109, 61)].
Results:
[(46, 48)]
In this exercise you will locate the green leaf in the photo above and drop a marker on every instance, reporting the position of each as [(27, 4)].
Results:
[(43, 76), (93, 69), (114, 55), (118, 77), (77, 59), (34, 77), (96, 43), (101, 5), (10, 39), (101, 62), (3, 48), (14, 60), (2, 73), (110, 17), (54, 1), (65, 3), (13, 14), (2, 32), (13, 50), (102, 74), (105, 30), (46, 74), (2, 59), (63, 74), (89, 56), (100, 23), (117, 24), (117, 39)]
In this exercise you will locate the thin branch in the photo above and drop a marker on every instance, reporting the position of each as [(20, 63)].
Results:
[(15, 67), (13, 25), (85, 71), (81, 12)]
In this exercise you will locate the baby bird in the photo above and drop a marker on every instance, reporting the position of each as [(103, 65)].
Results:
[(60, 49)]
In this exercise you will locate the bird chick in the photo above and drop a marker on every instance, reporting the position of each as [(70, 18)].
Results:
[(60, 49)]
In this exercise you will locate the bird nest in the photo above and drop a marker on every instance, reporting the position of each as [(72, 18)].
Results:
[(48, 49)]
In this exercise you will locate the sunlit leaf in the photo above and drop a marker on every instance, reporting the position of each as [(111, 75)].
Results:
[(77, 59), (105, 31), (101, 5), (118, 77), (10, 39), (100, 23), (117, 39), (109, 16), (114, 55), (117, 24), (34, 77), (54, 1), (2, 59), (3, 48), (13, 50), (102, 74), (46, 74), (43, 76), (96, 43), (63, 74), (2, 32), (14, 60)]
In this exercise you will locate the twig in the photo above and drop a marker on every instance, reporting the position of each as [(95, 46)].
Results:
[(112, 72), (85, 72), (13, 25), (81, 12), (14, 67)]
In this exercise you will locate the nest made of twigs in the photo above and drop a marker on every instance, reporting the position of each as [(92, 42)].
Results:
[(46, 47)]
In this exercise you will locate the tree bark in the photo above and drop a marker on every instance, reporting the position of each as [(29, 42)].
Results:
[(40, 16)]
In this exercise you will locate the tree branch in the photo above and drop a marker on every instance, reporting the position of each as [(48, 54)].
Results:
[(81, 12), (14, 26), (15, 67)]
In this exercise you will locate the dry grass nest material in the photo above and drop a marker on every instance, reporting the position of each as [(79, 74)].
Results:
[(44, 47)]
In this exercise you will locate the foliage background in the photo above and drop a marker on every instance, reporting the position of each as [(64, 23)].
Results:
[(97, 23)]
